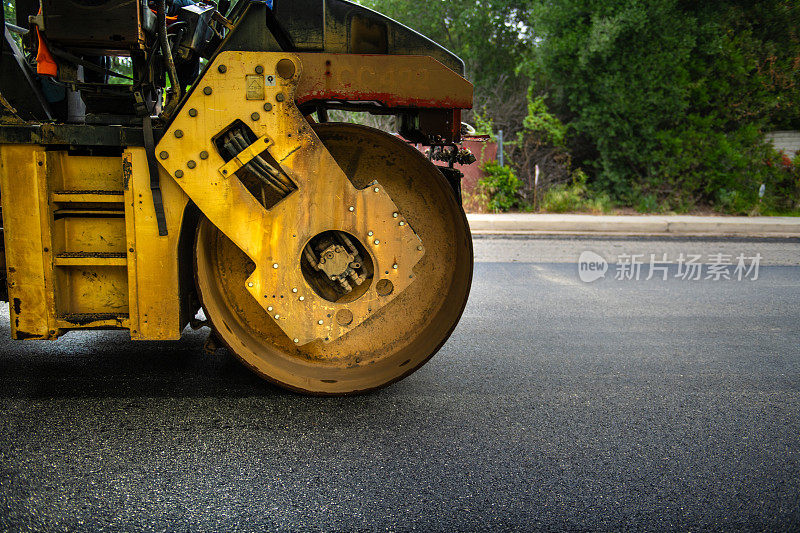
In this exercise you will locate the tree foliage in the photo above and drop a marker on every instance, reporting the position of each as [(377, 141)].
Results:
[(492, 38), (670, 98), (662, 102), (9, 12)]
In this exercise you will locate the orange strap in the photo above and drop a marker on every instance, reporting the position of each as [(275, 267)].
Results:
[(169, 19), (45, 64)]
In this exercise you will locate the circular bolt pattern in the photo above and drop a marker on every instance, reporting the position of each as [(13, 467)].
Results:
[(193, 112), (384, 287), (255, 116), (222, 69), (280, 97), (259, 69), (179, 173), (163, 155), (178, 133), (206, 90), (191, 163), (344, 317), (267, 107), (203, 155)]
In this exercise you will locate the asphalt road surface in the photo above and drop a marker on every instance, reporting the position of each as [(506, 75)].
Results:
[(557, 404)]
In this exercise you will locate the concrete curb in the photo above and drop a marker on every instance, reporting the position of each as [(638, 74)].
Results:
[(634, 225)]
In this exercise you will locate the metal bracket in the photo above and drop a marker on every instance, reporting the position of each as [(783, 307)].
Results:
[(325, 199), (245, 156)]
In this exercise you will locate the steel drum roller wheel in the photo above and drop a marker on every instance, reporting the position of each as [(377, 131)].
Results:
[(398, 338)]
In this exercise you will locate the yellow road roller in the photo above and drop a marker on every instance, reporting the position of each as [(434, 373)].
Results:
[(162, 158)]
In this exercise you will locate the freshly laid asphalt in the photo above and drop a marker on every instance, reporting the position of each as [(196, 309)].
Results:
[(556, 404)]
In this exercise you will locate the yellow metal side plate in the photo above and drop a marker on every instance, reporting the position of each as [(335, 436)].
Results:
[(324, 200)]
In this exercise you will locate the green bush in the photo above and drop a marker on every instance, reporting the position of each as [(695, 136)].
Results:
[(575, 197), (667, 101), (647, 203), (501, 185)]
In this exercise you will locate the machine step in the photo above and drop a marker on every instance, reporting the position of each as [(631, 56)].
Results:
[(91, 259)]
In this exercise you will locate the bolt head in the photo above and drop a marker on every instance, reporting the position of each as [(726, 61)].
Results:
[(259, 69), (297, 340), (203, 155), (280, 97), (222, 69), (275, 265), (178, 133), (419, 248), (402, 223), (206, 90), (269, 308), (351, 208), (294, 290), (394, 266), (394, 215), (255, 117), (302, 298), (377, 241), (277, 316), (370, 233), (267, 107), (179, 173), (376, 189), (163, 155), (320, 322), (249, 283), (193, 112), (191, 163)]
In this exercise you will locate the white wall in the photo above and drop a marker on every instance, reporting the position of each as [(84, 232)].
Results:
[(788, 141)]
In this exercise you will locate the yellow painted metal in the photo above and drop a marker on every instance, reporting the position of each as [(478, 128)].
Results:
[(85, 218), (92, 289), (84, 173), (82, 245), (325, 199), (82, 235), (153, 276), (245, 156), (399, 81), (81, 239), (27, 241)]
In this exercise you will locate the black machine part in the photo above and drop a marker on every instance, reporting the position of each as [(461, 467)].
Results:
[(20, 92), (82, 33)]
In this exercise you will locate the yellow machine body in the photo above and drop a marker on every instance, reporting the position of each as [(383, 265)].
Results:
[(82, 247)]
